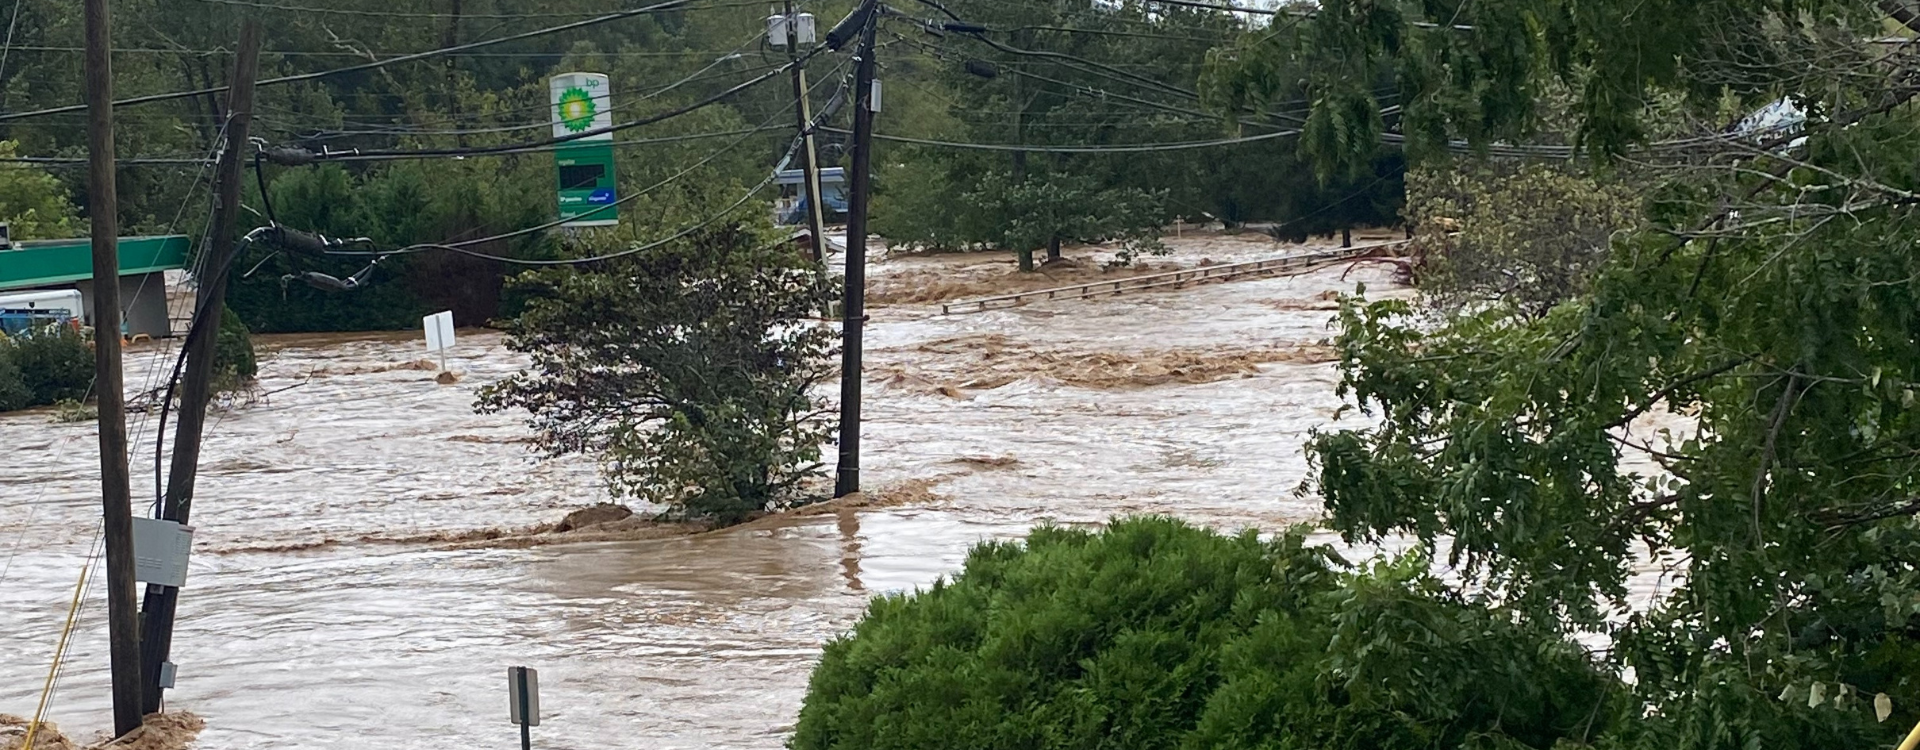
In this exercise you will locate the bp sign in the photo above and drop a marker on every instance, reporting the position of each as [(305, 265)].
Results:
[(581, 103)]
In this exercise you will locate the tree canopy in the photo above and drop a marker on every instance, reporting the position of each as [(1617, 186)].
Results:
[(1726, 393)]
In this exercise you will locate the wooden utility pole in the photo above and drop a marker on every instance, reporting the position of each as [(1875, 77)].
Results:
[(116, 496), (847, 480), (203, 333), (809, 156)]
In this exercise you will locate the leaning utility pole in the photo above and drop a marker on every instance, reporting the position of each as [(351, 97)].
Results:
[(847, 481), (116, 496), (809, 156), (157, 612)]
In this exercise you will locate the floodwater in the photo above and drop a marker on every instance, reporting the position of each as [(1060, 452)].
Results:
[(1193, 403)]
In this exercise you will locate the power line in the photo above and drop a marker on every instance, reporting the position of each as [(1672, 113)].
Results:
[(395, 14), (1114, 149), (73, 161), (7, 51), (697, 75), (461, 247), (318, 53), (1228, 8), (509, 148), (429, 54), (556, 147)]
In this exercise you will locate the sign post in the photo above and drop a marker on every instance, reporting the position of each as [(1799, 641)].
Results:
[(581, 103), (523, 702), (439, 327)]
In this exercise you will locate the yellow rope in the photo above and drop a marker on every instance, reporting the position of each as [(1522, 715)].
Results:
[(73, 612), (1913, 739)]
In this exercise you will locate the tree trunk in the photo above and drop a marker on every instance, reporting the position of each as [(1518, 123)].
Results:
[(1026, 260), (1346, 237), (1053, 249)]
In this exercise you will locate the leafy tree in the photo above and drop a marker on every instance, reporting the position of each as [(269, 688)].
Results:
[(1027, 216), (14, 393), (234, 361), (1764, 302), (1154, 634), (33, 203), (687, 368), (1530, 235), (50, 364)]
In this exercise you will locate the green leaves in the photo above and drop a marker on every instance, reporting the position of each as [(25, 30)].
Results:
[(687, 369), (1153, 634)]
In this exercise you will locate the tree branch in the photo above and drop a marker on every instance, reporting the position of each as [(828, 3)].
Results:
[(1668, 391)]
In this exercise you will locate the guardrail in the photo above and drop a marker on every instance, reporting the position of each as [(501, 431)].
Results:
[(1224, 272)]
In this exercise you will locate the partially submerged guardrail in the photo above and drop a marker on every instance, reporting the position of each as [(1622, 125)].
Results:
[(1226, 272)]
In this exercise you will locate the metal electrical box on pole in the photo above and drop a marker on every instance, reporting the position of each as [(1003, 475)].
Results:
[(583, 103)]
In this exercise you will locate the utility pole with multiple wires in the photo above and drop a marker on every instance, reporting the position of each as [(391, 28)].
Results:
[(854, 309), (116, 492), (157, 611), (809, 155)]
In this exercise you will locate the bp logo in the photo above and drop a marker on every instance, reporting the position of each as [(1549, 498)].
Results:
[(576, 110)]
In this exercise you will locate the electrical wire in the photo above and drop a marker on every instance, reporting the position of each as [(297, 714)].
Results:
[(572, 137), (394, 13), (429, 54), (1113, 149), (733, 54), (462, 247), (1224, 7), (7, 50), (357, 55)]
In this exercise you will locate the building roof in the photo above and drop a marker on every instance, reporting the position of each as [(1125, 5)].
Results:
[(49, 262)]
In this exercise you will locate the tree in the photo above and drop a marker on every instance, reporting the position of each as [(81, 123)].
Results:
[(1155, 634), (1764, 303), (688, 369), (1529, 235), (33, 203)]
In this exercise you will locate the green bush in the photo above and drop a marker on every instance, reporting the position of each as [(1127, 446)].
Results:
[(53, 364), (233, 358), (14, 393), (1155, 634)]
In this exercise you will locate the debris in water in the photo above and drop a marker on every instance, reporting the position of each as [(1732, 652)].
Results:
[(167, 731), (912, 492), (993, 360), (945, 284), (593, 515), (447, 377), (418, 365), (996, 462)]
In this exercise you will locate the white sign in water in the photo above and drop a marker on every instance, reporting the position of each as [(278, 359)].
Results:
[(439, 331)]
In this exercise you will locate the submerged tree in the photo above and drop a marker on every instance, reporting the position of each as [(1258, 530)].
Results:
[(688, 369)]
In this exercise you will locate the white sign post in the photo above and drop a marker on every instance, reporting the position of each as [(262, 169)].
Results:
[(439, 327)]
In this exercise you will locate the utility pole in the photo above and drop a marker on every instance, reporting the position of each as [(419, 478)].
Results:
[(116, 495), (157, 614), (847, 481), (809, 156)]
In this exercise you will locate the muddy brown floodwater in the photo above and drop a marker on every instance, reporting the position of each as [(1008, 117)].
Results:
[(295, 632)]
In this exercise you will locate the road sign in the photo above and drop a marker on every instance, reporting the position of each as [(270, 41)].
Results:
[(439, 327), (582, 103), (523, 702)]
